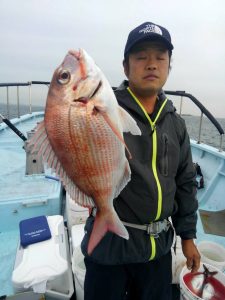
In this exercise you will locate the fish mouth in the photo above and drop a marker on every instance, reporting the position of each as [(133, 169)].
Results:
[(86, 99), (83, 100), (75, 53)]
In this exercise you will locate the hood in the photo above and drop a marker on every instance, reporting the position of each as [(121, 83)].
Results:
[(126, 101)]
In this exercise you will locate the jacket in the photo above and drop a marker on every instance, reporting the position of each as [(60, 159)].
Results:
[(162, 185)]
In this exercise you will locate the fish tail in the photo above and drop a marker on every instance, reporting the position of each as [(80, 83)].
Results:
[(103, 224)]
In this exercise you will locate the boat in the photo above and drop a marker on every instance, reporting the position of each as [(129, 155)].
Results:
[(29, 189)]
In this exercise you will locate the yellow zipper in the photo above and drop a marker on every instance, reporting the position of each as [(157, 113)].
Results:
[(154, 158)]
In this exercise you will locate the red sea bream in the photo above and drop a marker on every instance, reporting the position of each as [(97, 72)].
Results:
[(81, 139)]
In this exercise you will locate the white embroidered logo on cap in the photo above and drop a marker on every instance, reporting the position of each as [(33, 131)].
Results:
[(151, 28)]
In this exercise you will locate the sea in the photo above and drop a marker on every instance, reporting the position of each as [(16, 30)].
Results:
[(209, 133)]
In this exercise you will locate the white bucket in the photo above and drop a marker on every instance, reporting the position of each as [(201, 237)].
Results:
[(79, 270), (212, 254), (186, 293), (76, 214)]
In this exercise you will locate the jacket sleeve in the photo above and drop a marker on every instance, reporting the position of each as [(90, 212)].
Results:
[(185, 217)]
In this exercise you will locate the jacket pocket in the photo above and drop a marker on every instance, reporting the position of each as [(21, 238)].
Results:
[(165, 160)]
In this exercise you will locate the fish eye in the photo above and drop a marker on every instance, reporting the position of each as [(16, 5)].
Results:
[(63, 77)]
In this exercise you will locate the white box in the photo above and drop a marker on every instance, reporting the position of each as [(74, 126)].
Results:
[(78, 266), (79, 271), (77, 234), (44, 267)]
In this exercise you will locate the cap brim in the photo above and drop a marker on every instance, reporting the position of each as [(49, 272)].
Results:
[(150, 37)]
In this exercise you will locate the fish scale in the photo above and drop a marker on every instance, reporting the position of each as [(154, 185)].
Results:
[(96, 164)]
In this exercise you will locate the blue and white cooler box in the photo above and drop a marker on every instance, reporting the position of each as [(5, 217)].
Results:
[(43, 266)]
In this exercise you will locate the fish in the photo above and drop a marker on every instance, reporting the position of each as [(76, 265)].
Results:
[(208, 292), (81, 140), (201, 286), (197, 282)]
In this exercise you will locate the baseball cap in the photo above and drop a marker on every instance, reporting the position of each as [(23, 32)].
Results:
[(147, 31)]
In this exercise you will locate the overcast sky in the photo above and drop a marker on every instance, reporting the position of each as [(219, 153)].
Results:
[(36, 35)]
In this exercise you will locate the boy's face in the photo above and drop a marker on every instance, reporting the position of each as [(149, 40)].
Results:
[(147, 67)]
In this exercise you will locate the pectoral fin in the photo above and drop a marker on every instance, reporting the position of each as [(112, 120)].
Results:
[(115, 130), (128, 123)]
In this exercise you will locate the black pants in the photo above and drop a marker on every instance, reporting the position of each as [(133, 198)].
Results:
[(141, 281)]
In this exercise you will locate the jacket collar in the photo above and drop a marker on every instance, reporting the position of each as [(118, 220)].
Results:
[(127, 101)]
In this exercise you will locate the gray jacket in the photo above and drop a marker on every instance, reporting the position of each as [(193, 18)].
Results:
[(162, 185)]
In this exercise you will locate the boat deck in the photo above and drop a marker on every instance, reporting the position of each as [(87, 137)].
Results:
[(22, 196)]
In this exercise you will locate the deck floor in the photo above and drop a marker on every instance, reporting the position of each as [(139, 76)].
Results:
[(9, 242)]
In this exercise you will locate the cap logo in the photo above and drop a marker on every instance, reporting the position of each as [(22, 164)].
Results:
[(151, 28)]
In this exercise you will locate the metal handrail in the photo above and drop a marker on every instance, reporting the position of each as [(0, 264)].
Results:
[(24, 83), (203, 110), (18, 84), (182, 94)]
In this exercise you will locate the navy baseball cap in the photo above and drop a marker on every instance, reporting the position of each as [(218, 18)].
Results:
[(148, 31)]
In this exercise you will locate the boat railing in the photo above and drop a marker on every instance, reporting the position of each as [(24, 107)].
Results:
[(181, 94), (203, 110), (18, 85)]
